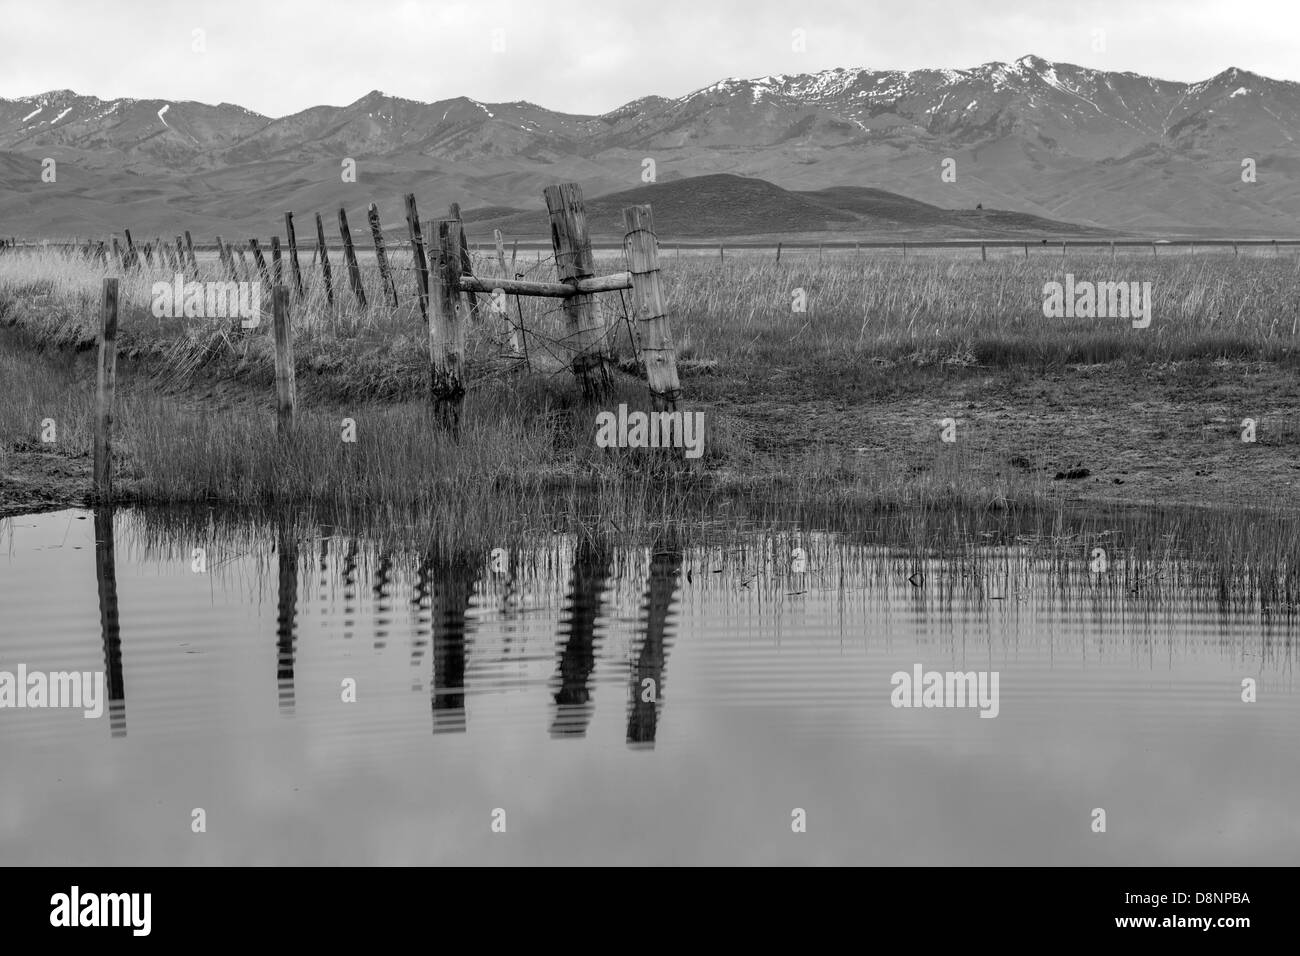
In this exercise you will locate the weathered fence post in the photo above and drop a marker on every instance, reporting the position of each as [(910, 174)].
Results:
[(293, 253), (277, 269), (984, 253), (350, 258), (189, 252), (417, 252), (180, 253), (117, 255), (106, 386), (285, 390), (261, 262), (501, 250), (227, 259), (446, 327), (778, 252), (466, 263), (381, 254), (648, 308), (323, 254), (573, 261), (132, 257)]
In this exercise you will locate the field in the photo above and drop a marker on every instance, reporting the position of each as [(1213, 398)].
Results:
[(824, 381)]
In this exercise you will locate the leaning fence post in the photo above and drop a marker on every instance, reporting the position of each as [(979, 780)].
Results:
[(261, 262), (350, 258), (189, 251), (649, 310), (285, 390), (446, 328), (106, 386), (293, 252), (417, 252), (132, 257), (573, 261), (466, 263), (277, 269), (323, 254), (381, 254)]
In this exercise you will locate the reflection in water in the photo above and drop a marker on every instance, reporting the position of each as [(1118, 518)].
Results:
[(286, 616), (1118, 689), (577, 659), (453, 587), (648, 674), (106, 578)]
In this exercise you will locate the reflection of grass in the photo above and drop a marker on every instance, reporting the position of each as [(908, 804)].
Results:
[(1245, 563)]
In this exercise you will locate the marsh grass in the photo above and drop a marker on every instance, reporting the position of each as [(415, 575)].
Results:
[(873, 325)]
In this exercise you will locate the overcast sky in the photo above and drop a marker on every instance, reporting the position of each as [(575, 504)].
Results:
[(582, 56)]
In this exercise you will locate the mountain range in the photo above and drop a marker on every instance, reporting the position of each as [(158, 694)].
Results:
[(1118, 151)]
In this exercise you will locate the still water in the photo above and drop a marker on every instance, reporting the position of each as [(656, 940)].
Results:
[(322, 701)]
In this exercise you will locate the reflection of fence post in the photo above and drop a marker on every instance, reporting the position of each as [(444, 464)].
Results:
[(655, 338), (293, 252), (381, 254), (350, 258), (446, 328), (110, 632), (285, 391), (573, 261), (106, 386)]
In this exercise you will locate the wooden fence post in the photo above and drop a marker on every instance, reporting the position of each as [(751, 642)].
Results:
[(381, 254), (350, 258), (106, 386), (189, 252), (227, 259), (117, 255), (417, 252), (573, 261), (446, 327), (132, 257), (293, 253), (466, 263), (323, 254), (501, 251), (285, 390), (243, 264), (649, 310), (277, 269), (984, 253), (778, 248), (261, 262), (180, 253)]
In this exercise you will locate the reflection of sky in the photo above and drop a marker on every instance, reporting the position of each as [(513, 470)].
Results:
[(771, 700)]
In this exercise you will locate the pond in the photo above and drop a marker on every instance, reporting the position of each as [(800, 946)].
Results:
[(283, 695)]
